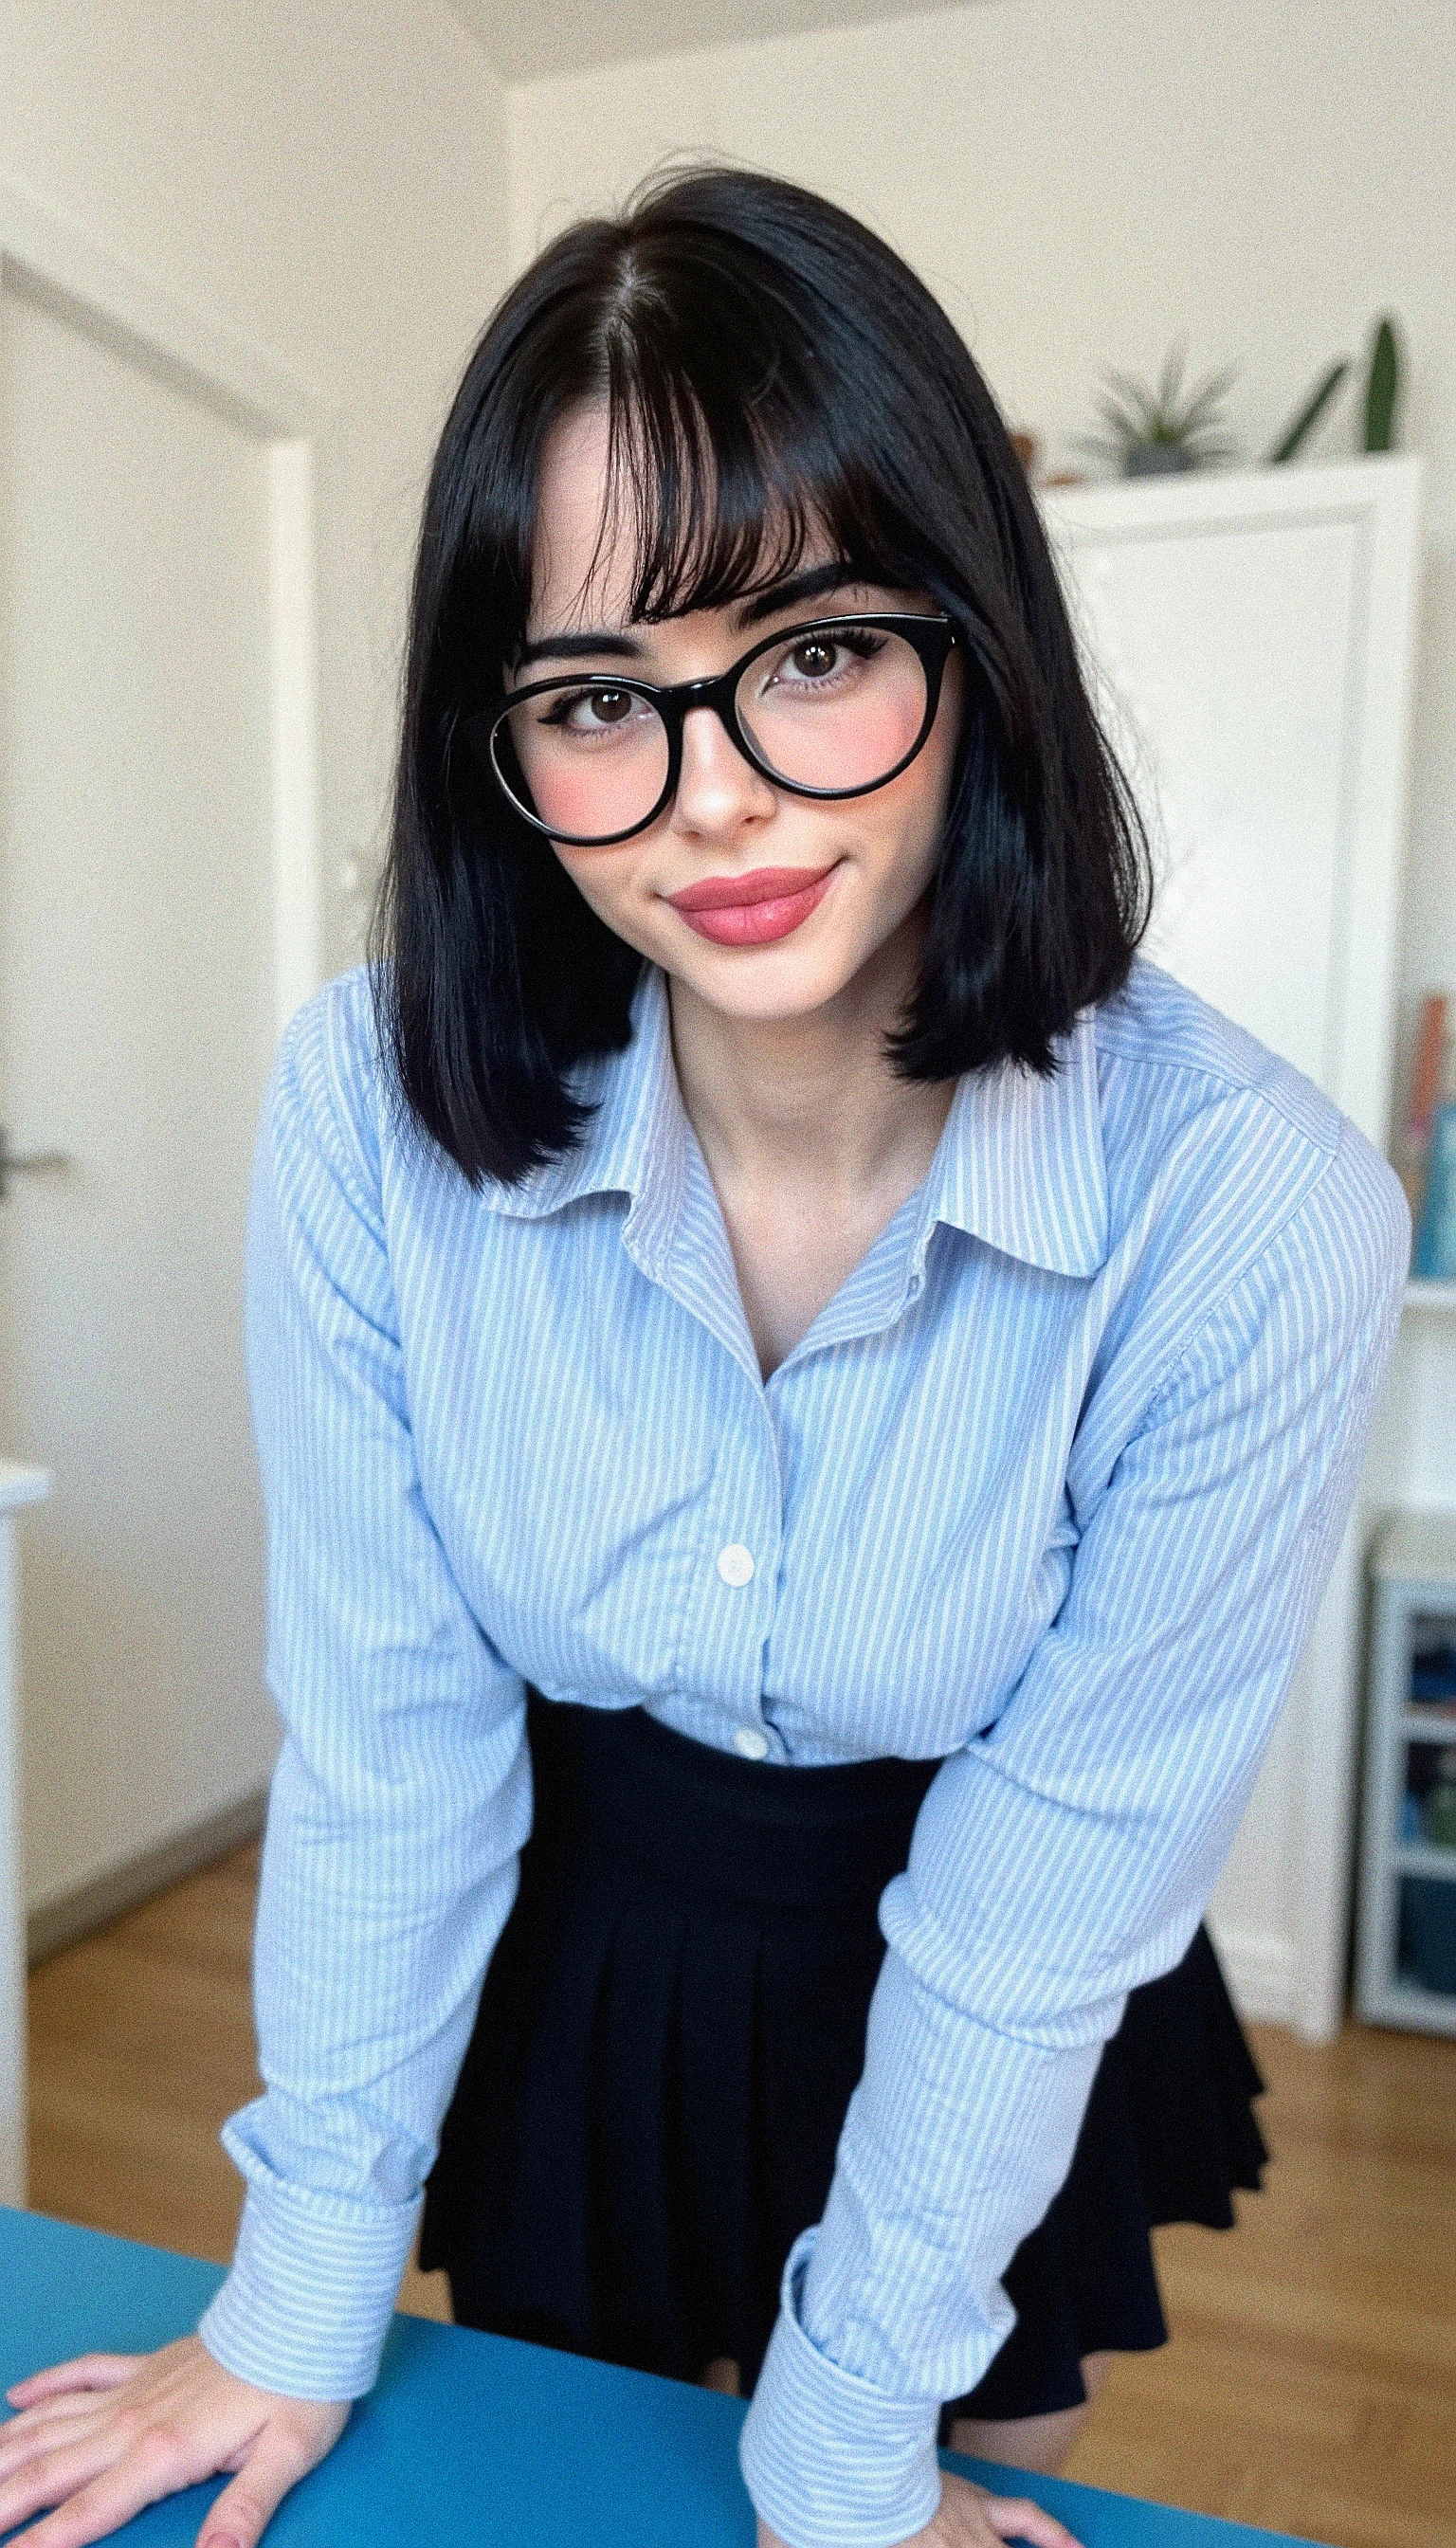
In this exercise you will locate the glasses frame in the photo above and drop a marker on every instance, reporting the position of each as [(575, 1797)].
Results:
[(931, 634)]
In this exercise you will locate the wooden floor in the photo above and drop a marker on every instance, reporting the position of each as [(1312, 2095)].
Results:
[(1310, 2381)]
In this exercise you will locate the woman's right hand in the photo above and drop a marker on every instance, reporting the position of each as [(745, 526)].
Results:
[(970, 2517), (97, 2439)]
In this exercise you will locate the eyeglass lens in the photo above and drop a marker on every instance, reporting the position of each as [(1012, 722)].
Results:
[(838, 708)]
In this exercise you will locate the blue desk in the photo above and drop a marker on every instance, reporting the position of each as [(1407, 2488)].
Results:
[(467, 2440)]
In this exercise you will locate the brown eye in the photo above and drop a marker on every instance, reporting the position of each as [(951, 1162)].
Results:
[(813, 657), (588, 711)]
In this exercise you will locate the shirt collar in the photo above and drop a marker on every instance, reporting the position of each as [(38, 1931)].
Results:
[(1019, 1164), (635, 1142)]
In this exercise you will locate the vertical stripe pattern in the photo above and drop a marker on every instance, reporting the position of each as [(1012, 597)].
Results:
[(1049, 1490)]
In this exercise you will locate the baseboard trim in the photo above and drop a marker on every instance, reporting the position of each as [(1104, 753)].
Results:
[(1261, 1973), (105, 1898)]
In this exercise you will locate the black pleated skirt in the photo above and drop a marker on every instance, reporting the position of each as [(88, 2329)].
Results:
[(668, 2037)]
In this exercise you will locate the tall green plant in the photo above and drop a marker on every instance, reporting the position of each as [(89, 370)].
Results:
[(1382, 392), (1381, 388), (1310, 414)]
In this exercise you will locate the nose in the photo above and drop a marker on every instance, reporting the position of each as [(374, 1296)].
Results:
[(718, 787)]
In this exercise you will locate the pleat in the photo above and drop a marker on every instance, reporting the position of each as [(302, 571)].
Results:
[(669, 2036), (717, 2195), (817, 1982), (517, 2144), (632, 2095), (1083, 2281), (1191, 2081), (1169, 2134)]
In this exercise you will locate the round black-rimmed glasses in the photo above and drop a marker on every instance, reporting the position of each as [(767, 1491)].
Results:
[(829, 708)]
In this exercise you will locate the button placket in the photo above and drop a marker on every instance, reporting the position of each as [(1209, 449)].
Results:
[(738, 1598), (736, 1568)]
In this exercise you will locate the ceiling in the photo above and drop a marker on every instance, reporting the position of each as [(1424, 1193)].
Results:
[(531, 40)]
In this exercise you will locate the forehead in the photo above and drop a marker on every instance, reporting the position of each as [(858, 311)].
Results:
[(582, 558), (588, 538)]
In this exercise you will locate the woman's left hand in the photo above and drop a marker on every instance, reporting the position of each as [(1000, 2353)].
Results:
[(969, 2516)]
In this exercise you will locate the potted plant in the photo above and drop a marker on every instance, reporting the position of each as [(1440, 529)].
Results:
[(1151, 431)]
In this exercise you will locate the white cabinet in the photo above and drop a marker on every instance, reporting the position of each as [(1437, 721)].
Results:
[(1250, 637)]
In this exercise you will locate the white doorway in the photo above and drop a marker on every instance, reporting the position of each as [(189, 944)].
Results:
[(157, 916)]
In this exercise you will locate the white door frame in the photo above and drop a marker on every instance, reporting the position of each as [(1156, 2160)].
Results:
[(50, 261)]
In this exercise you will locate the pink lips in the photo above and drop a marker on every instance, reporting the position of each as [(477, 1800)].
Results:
[(749, 910)]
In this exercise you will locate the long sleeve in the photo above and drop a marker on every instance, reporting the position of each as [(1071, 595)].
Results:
[(1065, 1855), (403, 1792)]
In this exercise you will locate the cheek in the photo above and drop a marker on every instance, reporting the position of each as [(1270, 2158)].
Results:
[(573, 800), (916, 815)]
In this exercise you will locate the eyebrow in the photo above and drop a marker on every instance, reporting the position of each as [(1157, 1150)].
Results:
[(570, 644)]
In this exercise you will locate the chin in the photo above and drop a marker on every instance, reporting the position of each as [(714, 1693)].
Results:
[(761, 984)]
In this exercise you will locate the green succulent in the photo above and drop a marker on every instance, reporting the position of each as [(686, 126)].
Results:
[(1166, 419)]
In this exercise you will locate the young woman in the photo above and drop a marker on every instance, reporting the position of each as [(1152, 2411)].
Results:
[(806, 1396)]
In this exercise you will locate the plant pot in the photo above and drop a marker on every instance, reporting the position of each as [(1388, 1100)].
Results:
[(1156, 459)]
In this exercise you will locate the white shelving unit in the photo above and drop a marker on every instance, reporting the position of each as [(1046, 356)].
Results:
[(1413, 1564), (1423, 1294)]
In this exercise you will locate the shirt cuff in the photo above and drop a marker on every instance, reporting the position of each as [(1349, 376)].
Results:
[(306, 2307), (829, 2461)]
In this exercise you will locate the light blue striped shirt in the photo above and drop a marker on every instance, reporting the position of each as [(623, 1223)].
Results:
[(1051, 1488)]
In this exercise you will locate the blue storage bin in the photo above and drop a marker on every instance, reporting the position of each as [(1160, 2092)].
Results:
[(1428, 1931), (1434, 1256), (1433, 1674)]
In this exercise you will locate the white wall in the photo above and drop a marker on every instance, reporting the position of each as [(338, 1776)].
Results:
[(324, 179), (1084, 181)]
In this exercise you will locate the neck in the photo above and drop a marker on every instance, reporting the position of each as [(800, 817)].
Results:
[(810, 1099)]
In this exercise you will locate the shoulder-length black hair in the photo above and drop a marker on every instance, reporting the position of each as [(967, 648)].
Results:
[(770, 370)]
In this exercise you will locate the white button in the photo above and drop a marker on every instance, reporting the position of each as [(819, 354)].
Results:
[(749, 1741), (736, 1564)]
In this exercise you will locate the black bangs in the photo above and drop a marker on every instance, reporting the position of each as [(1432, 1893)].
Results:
[(725, 462), (720, 469), (776, 380), (709, 515)]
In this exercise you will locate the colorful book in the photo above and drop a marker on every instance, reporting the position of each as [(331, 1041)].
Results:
[(1412, 1158)]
